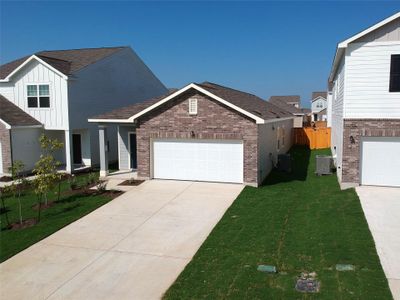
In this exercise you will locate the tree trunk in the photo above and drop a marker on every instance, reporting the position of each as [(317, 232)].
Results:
[(59, 190), (5, 210), (45, 199), (40, 207), (20, 210)]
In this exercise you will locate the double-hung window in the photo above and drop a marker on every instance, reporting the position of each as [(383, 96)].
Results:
[(394, 85), (38, 95)]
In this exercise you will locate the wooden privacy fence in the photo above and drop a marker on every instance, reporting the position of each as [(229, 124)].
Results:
[(314, 138)]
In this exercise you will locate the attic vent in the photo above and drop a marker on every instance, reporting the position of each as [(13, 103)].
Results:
[(192, 106)]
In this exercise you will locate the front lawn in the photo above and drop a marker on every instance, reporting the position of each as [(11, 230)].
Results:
[(72, 206), (299, 223)]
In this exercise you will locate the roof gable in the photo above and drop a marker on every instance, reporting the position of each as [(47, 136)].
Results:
[(343, 45), (244, 103), (65, 62)]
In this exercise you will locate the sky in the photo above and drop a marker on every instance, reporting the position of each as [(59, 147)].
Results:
[(265, 48)]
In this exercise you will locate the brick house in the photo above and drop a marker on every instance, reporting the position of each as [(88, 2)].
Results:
[(364, 91), (203, 132)]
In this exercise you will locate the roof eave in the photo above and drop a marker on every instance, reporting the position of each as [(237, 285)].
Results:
[(344, 44), (27, 61)]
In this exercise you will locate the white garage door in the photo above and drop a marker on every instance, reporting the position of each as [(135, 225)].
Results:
[(208, 160), (380, 161)]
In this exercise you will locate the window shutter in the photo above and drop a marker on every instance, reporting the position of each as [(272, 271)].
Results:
[(394, 85)]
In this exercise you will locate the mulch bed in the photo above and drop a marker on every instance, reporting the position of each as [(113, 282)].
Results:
[(131, 182), (43, 206), (5, 179), (25, 224)]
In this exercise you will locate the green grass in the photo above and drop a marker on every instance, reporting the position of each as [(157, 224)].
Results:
[(297, 222), (67, 210)]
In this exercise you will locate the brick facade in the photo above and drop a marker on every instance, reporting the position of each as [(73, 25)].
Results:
[(213, 121), (358, 128), (5, 147)]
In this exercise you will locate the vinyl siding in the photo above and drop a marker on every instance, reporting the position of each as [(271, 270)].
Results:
[(337, 116), (387, 33), (55, 117), (123, 144), (267, 145), (25, 146), (367, 81), (116, 81)]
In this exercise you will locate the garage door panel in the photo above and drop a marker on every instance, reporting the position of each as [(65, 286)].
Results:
[(380, 161), (218, 160)]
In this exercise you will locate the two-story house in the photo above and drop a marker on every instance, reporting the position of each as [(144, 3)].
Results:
[(54, 92), (365, 86), (319, 106)]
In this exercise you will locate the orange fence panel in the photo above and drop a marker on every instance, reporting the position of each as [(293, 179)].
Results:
[(314, 138)]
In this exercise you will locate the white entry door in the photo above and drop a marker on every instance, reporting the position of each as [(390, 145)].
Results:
[(380, 161), (199, 160)]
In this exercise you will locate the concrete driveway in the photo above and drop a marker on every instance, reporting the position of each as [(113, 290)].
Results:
[(381, 207), (131, 248)]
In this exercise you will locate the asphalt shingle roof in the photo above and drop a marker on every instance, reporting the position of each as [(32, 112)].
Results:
[(65, 61), (15, 116), (245, 101), (282, 101), (318, 94)]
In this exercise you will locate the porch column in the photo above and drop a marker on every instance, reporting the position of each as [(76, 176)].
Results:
[(103, 150), (68, 149)]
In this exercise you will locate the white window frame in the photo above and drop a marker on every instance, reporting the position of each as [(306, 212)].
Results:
[(38, 95), (193, 103)]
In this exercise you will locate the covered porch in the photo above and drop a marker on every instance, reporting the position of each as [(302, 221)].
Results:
[(127, 151)]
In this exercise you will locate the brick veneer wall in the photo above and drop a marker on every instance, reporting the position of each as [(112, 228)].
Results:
[(5, 147), (213, 121), (359, 128)]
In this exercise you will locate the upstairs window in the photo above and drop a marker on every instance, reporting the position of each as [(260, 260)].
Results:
[(38, 95), (394, 85), (192, 106)]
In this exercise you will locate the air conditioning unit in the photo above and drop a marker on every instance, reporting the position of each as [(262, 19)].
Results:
[(284, 163), (324, 165)]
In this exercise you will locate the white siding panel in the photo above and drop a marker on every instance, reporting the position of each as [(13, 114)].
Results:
[(55, 117), (25, 146), (267, 145), (367, 81), (337, 116), (124, 155)]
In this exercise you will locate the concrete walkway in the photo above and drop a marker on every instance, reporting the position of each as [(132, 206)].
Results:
[(131, 248), (381, 207)]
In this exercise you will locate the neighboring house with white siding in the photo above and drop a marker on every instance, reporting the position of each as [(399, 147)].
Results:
[(365, 106), (318, 106), (59, 90)]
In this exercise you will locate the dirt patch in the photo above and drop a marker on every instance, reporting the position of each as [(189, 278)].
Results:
[(131, 182), (112, 194), (5, 179), (43, 206), (25, 224)]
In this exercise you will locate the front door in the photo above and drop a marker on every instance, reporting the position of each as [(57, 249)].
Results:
[(132, 150), (77, 148)]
